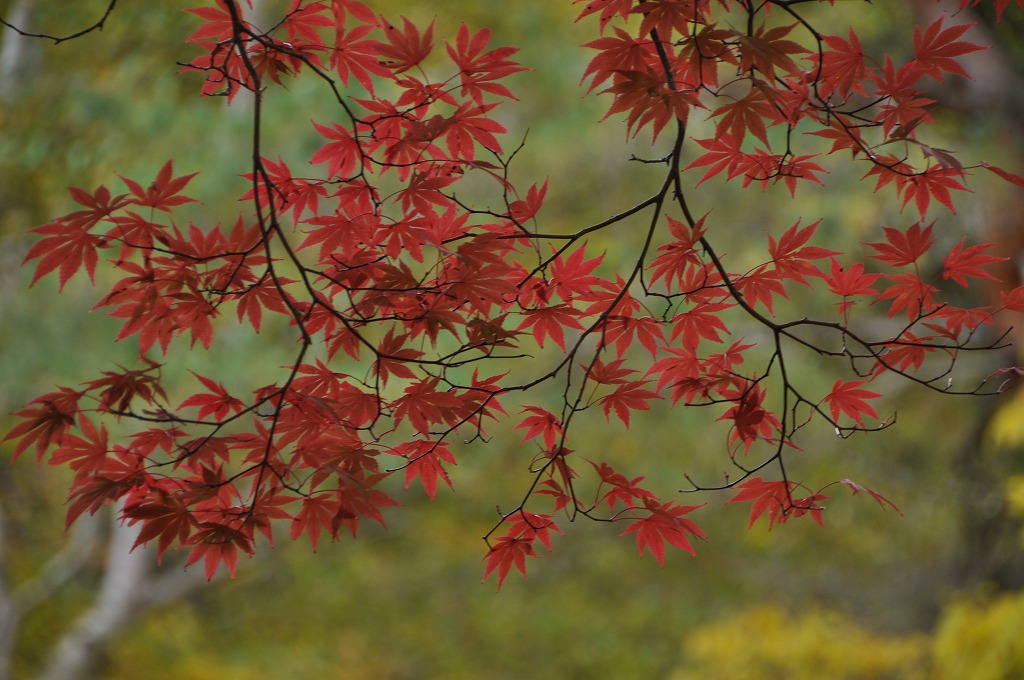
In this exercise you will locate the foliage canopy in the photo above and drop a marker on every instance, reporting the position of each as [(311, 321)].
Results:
[(419, 315)]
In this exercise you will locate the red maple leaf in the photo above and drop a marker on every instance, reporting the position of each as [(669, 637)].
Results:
[(621, 53), (630, 396), (479, 70), (848, 398), (46, 420), (216, 544), (551, 321), (512, 549), (647, 99), (772, 497), (624, 490), (665, 524), (542, 423), (317, 513), (354, 56), (426, 461), (792, 256), (843, 67), (67, 246), (165, 191), (163, 517), (936, 49), (904, 248), (85, 454), (217, 402), (849, 282), (405, 47), (908, 292), (962, 263)]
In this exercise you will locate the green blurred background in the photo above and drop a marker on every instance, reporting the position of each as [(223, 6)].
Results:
[(932, 594)]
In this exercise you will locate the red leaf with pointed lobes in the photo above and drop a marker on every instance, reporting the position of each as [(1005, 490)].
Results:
[(394, 359), (219, 26), (702, 322), (670, 18), (850, 282), (936, 49), (218, 544), (551, 321), (217, 402), (101, 205), (359, 499), (621, 53), (792, 256), (765, 497), (163, 517), (665, 524), (405, 48), (471, 125), (1014, 299), (46, 423), (848, 398), (609, 9), (355, 57), (908, 292), (680, 254), (512, 549), (523, 210), (479, 70), (504, 554), (936, 182), (956, 319), (630, 396), (907, 356), (962, 263), (317, 513), (843, 66), (648, 101), (767, 51), (624, 490), (120, 388), (746, 115), (543, 424), (572, 277), (85, 454), (901, 249), (165, 191), (425, 403), (67, 246), (751, 421), (760, 287), (426, 461), (342, 153)]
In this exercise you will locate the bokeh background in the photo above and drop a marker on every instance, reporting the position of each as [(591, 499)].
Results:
[(933, 594)]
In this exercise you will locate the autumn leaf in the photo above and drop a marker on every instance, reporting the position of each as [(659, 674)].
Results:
[(962, 263), (936, 49), (216, 402), (848, 398), (665, 523)]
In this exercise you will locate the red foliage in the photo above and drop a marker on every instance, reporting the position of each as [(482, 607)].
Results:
[(376, 262)]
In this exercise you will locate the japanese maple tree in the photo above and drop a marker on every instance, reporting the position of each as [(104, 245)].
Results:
[(446, 307)]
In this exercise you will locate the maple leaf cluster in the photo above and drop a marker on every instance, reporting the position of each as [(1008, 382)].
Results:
[(372, 261)]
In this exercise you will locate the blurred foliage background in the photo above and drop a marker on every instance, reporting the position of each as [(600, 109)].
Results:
[(932, 594)]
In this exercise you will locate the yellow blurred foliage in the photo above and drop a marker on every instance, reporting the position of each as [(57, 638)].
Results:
[(1007, 428), (766, 642), (972, 641), (980, 641)]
